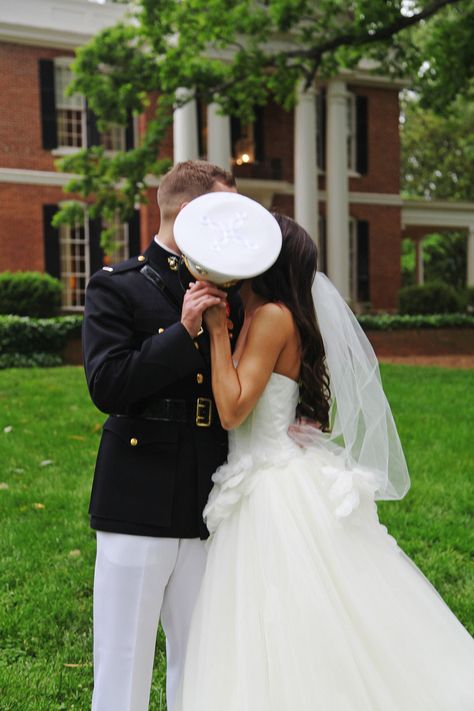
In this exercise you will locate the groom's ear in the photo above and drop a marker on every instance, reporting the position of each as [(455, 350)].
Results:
[(183, 204)]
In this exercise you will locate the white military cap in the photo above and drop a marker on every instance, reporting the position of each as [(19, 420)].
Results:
[(226, 237)]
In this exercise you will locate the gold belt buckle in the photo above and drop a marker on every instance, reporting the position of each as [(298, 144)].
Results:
[(203, 412)]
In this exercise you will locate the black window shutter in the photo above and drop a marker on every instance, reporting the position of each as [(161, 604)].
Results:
[(362, 135), (322, 252), (49, 134), (259, 134), (93, 135), (96, 253), (52, 264), (129, 133), (134, 234), (321, 119), (363, 274)]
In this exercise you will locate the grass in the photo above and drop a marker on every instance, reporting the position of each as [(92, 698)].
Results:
[(46, 566)]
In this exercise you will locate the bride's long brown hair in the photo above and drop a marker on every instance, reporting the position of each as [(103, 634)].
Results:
[(289, 282)]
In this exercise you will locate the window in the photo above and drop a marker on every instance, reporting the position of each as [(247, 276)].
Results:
[(114, 138), (70, 110), (248, 139), (122, 242), (74, 264), (67, 123), (73, 253), (244, 146)]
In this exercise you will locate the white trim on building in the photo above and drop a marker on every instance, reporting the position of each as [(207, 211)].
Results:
[(62, 24)]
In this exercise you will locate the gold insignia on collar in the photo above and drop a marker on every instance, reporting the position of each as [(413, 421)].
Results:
[(173, 263)]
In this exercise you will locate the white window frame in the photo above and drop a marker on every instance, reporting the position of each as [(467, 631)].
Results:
[(76, 102), (115, 127), (67, 256), (123, 248)]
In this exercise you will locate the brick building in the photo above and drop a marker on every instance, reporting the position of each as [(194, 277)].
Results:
[(333, 162)]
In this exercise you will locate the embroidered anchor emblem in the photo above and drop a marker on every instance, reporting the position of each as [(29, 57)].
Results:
[(229, 232)]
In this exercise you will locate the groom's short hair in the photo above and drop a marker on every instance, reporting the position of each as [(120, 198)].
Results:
[(188, 180)]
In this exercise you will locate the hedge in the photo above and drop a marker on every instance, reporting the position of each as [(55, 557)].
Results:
[(29, 294), (26, 342), (469, 299), (389, 322), (434, 298)]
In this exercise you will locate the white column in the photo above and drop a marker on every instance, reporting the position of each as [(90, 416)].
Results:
[(306, 176), (470, 256), (185, 128), (419, 265), (219, 150), (337, 190)]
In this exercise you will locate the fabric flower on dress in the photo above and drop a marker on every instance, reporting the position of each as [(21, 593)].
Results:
[(346, 486)]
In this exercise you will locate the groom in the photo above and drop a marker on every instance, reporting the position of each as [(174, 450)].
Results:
[(148, 367)]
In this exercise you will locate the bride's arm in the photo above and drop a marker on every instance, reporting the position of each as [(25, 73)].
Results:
[(236, 390)]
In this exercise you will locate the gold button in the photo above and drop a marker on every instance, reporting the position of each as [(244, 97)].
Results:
[(161, 330), (134, 441), (200, 378), (196, 345), (141, 258)]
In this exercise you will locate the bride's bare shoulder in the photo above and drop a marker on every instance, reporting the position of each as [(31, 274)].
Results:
[(274, 314), (273, 317)]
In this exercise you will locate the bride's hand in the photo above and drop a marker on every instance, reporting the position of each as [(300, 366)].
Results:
[(215, 317)]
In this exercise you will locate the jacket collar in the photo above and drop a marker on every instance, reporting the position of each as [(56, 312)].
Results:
[(166, 264)]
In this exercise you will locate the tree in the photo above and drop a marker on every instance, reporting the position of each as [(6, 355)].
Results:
[(447, 49), (444, 258), (438, 164), (237, 52), (438, 150)]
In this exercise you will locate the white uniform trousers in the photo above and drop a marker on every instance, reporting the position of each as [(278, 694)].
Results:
[(138, 580)]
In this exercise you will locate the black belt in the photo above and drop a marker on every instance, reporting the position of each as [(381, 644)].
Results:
[(198, 412)]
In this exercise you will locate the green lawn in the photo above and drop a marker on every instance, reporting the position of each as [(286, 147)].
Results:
[(47, 558)]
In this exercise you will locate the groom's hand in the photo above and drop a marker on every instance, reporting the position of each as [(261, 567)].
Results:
[(200, 296)]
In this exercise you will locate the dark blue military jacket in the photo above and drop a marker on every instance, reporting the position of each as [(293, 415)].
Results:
[(152, 477)]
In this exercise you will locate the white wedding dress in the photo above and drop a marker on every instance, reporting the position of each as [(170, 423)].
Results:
[(307, 603)]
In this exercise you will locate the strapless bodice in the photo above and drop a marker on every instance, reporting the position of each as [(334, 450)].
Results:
[(261, 441), (261, 444), (265, 429)]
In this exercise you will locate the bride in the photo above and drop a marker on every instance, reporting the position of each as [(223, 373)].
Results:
[(307, 603)]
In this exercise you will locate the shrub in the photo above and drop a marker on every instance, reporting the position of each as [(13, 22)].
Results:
[(34, 360), (469, 299), (395, 322), (430, 299), (29, 294), (26, 341)]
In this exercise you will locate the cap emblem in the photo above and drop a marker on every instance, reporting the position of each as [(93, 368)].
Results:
[(228, 231)]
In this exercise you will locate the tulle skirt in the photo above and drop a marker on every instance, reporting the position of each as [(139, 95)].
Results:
[(303, 611)]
